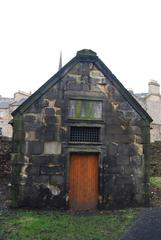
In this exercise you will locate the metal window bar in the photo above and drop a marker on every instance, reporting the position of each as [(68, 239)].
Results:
[(84, 134)]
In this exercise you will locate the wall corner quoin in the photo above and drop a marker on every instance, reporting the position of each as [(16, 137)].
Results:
[(147, 158)]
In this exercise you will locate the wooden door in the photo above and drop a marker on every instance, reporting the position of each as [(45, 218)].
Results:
[(83, 181)]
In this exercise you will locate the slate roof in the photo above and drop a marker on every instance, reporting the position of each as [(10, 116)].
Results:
[(84, 55), (141, 95), (18, 103), (4, 103)]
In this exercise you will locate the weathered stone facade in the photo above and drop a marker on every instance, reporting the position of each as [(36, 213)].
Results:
[(84, 93)]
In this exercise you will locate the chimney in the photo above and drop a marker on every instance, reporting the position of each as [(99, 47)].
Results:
[(154, 87)]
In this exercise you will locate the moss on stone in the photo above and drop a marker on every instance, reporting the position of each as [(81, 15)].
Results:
[(89, 111), (78, 109), (18, 123)]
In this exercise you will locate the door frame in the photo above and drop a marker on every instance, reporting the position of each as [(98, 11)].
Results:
[(100, 174)]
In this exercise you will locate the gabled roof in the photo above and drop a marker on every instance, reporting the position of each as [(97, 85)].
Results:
[(84, 56)]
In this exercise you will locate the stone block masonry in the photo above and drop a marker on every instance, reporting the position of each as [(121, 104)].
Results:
[(81, 111), (155, 167)]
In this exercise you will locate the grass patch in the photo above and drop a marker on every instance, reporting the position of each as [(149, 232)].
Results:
[(155, 191), (45, 225), (155, 182)]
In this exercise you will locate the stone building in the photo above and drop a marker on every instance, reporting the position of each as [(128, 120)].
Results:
[(151, 102), (81, 142), (7, 106)]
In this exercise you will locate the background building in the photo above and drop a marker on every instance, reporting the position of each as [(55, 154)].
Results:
[(7, 106), (151, 102)]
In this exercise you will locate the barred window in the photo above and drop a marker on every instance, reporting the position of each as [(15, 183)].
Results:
[(84, 134)]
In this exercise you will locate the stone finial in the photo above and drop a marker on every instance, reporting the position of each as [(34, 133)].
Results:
[(87, 52), (87, 55)]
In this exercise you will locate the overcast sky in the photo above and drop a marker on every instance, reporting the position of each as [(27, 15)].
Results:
[(126, 34)]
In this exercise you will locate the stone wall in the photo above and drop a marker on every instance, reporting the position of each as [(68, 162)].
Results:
[(156, 158), (5, 169), (5, 150)]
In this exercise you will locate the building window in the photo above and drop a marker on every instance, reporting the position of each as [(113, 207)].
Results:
[(85, 109), (1, 115), (85, 134), (0, 131)]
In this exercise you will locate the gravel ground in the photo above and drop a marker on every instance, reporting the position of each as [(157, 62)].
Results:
[(147, 226)]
